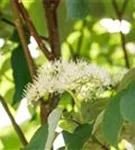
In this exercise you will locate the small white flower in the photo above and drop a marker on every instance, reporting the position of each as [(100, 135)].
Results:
[(85, 79)]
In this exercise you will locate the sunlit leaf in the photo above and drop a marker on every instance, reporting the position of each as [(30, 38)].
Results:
[(66, 101), (53, 119), (36, 12)]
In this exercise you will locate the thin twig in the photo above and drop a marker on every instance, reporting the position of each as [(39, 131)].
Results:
[(19, 27), (120, 14), (5, 20), (80, 40), (33, 31), (125, 3), (116, 8), (123, 44), (15, 125)]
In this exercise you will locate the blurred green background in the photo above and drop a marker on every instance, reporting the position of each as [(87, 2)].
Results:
[(96, 38)]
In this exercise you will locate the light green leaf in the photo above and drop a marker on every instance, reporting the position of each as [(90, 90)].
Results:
[(77, 139), (98, 122), (67, 125), (39, 139), (77, 9), (127, 104), (113, 120), (36, 12), (127, 79), (66, 101), (53, 120)]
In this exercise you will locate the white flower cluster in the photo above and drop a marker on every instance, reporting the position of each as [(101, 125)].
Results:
[(59, 76)]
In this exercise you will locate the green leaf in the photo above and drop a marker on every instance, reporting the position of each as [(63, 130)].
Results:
[(6, 66), (127, 104), (68, 125), (90, 111), (53, 120), (127, 79), (77, 139), (77, 9), (66, 101), (5, 12), (113, 120), (36, 7), (20, 73), (39, 139), (65, 25)]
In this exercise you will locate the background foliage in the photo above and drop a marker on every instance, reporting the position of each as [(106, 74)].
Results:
[(99, 31)]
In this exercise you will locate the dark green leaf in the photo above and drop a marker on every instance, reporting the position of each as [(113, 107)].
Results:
[(77, 139), (77, 9), (127, 105), (39, 139), (20, 73), (113, 120)]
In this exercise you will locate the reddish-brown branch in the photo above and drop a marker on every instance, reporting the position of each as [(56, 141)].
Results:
[(19, 27), (50, 7), (33, 30), (44, 111), (15, 125)]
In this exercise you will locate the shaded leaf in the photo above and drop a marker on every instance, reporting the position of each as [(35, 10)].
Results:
[(77, 9), (65, 25), (39, 139), (90, 111), (113, 120), (127, 104), (77, 139), (20, 73)]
